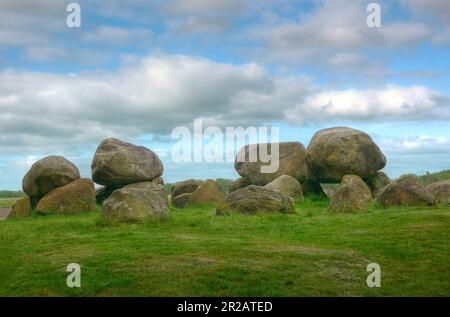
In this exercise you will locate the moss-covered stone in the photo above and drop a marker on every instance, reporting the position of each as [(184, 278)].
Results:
[(292, 161), (441, 190), (209, 192), (406, 192), (75, 197), (336, 152), (21, 208), (353, 195), (47, 174), (287, 185), (117, 163), (136, 203), (256, 199)]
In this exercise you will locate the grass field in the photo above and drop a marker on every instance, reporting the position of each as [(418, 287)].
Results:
[(7, 202), (311, 253)]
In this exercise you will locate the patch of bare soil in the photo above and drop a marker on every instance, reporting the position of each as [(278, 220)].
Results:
[(4, 212)]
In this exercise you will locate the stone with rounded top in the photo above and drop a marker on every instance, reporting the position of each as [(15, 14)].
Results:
[(336, 152), (117, 163)]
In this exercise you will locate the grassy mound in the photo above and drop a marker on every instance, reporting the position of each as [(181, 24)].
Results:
[(310, 253)]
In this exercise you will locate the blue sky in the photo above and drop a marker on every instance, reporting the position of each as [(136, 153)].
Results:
[(137, 69)]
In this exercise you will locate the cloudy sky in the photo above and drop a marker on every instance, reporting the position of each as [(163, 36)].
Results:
[(138, 70)]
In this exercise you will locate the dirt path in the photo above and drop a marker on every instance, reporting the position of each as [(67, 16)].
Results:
[(4, 212)]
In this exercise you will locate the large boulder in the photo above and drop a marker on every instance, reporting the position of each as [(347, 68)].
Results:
[(209, 192), (441, 191), (287, 185), (21, 208), (75, 197), (353, 195), (238, 184), (256, 199), (117, 163), (47, 174), (405, 192), (377, 182), (357, 181), (182, 200), (187, 186), (336, 152), (158, 180), (102, 193), (137, 202), (292, 161)]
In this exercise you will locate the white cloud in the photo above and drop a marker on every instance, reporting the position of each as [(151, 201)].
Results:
[(436, 13), (46, 53), (336, 33), (195, 7), (418, 154), (404, 33), (401, 103), (118, 36), (30, 22), (13, 38), (44, 110), (418, 144), (40, 109), (440, 8), (202, 16), (201, 25)]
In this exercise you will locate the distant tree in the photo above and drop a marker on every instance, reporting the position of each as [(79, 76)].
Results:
[(11, 193), (430, 178), (224, 183), (168, 187)]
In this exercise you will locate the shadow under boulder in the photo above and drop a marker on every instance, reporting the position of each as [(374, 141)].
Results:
[(238, 184), (377, 183), (185, 187)]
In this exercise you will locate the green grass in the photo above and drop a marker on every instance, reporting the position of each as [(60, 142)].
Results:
[(430, 178), (311, 253), (7, 202)]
